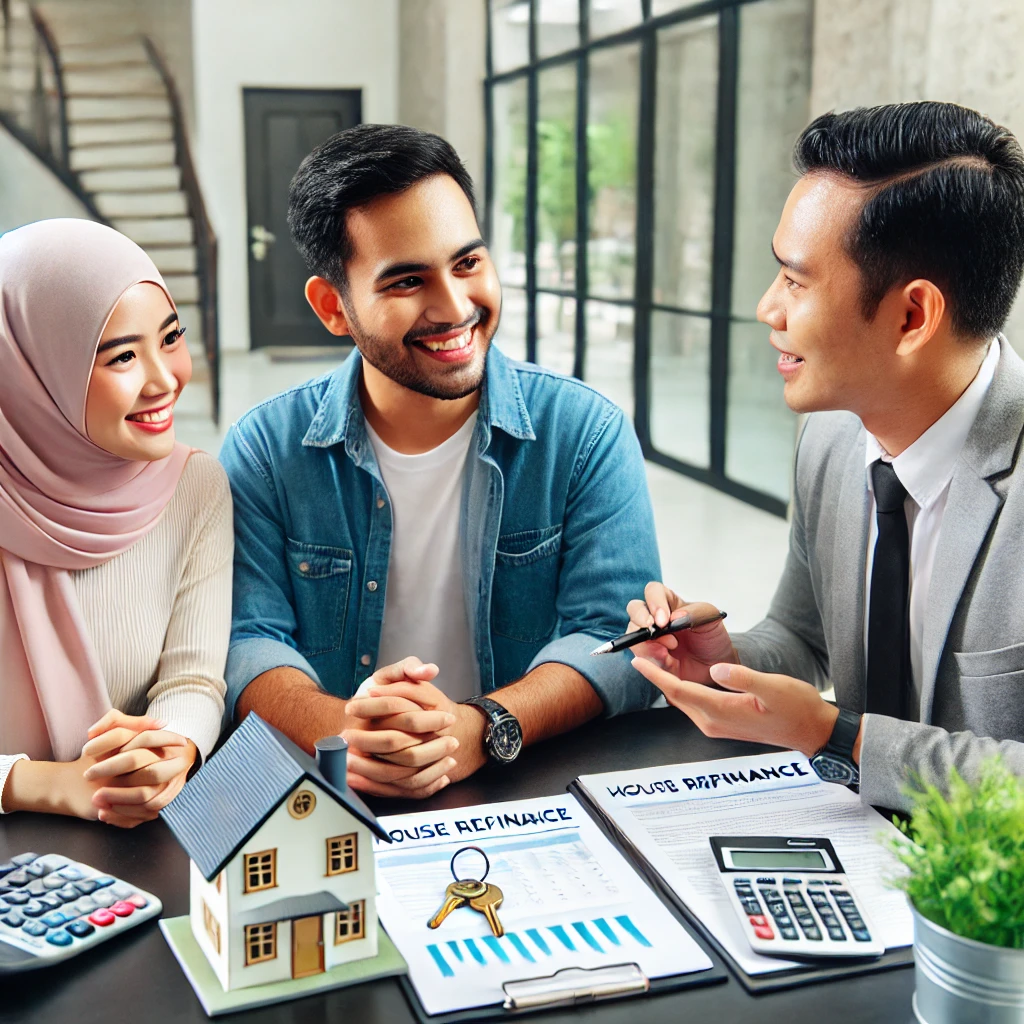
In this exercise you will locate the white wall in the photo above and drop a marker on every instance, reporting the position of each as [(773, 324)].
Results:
[(314, 44), (890, 51), (29, 190)]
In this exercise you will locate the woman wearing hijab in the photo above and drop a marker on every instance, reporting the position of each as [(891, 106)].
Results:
[(115, 540)]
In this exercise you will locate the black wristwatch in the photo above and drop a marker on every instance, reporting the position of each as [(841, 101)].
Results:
[(503, 738), (834, 762)]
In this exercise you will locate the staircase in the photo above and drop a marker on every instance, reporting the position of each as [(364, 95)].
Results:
[(122, 145)]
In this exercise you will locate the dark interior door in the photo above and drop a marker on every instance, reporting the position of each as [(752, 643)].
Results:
[(281, 127)]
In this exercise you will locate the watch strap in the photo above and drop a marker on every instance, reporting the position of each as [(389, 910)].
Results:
[(491, 708), (844, 735)]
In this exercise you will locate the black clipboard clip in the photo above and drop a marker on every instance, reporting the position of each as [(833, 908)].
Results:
[(572, 986)]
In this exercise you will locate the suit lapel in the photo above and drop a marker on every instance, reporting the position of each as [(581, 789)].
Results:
[(971, 507), (846, 630)]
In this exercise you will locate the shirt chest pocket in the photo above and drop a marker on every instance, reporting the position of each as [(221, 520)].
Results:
[(320, 581), (525, 584)]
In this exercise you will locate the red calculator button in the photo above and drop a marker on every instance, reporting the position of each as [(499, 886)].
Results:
[(102, 918), (764, 933), (758, 920), (122, 909), (138, 901)]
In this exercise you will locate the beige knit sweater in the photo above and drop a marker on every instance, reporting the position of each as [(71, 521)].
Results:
[(159, 614)]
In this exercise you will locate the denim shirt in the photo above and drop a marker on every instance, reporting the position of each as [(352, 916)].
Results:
[(556, 533)]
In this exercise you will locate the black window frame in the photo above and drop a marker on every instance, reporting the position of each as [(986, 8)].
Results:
[(720, 315)]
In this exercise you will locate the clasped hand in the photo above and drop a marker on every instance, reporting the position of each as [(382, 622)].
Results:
[(134, 767), (406, 737), (761, 707)]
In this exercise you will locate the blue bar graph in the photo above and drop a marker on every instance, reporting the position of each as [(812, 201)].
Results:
[(635, 932), (520, 947), (446, 971), (475, 951), (587, 937), (494, 946), (472, 953)]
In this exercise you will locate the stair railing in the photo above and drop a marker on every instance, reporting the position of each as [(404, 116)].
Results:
[(43, 127), (206, 238)]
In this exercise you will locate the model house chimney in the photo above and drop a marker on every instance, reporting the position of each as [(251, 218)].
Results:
[(331, 755)]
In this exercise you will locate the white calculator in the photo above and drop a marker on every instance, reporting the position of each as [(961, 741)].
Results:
[(52, 908), (793, 899)]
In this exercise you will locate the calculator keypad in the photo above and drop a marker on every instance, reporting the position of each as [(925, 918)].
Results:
[(51, 908), (801, 910)]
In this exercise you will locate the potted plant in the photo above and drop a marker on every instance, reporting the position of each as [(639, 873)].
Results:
[(964, 851)]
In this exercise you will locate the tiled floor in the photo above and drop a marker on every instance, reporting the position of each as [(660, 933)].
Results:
[(713, 547)]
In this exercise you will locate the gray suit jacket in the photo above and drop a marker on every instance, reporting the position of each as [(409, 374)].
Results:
[(972, 693)]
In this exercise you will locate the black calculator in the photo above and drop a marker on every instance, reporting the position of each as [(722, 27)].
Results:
[(52, 908), (793, 898)]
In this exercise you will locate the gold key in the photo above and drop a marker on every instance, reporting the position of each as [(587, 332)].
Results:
[(456, 895), (487, 903)]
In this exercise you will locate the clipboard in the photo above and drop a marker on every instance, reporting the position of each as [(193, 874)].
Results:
[(902, 956), (570, 987)]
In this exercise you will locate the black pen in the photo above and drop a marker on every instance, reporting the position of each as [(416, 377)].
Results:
[(620, 643)]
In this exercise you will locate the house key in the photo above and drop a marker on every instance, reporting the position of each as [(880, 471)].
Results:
[(462, 890), (456, 895), (487, 903)]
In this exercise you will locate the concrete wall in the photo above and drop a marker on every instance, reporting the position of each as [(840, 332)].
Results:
[(443, 61), (29, 190), (315, 44), (169, 24), (886, 51)]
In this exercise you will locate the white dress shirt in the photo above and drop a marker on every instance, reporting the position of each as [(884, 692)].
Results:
[(925, 469)]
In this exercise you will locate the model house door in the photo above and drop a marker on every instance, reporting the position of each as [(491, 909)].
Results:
[(281, 127), (307, 946)]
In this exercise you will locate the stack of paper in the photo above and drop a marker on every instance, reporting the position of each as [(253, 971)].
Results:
[(666, 814)]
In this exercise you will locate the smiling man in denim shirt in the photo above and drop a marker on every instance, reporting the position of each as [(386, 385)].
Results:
[(431, 520)]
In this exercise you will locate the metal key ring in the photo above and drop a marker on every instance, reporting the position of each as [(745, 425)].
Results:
[(466, 849)]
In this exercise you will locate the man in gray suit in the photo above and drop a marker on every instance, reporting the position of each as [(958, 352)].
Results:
[(901, 248)]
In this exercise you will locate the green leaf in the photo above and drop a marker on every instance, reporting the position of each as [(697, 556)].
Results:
[(964, 851)]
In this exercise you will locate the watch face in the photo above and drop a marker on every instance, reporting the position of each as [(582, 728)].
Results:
[(833, 769), (505, 739)]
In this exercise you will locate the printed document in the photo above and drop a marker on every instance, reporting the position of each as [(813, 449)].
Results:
[(570, 900), (668, 813)]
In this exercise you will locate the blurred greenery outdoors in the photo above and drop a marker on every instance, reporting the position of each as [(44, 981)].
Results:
[(611, 151)]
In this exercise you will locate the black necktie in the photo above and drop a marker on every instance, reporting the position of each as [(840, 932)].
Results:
[(889, 610)]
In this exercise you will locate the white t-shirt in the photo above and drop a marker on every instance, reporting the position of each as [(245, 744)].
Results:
[(424, 606)]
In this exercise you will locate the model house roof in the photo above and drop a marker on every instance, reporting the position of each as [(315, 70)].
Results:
[(231, 796)]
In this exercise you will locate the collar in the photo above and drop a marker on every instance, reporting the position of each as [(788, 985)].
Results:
[(926, 467), (502, 404)]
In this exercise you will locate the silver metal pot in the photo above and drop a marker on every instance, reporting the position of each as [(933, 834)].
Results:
[(962, 981)]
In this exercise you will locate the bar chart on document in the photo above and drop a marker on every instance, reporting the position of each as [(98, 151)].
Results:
[(570, 900)]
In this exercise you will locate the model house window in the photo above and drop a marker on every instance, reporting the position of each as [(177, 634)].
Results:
[(212, 926), (342, 854), (351, 924), (260, 943), (220, 881), (302, 804), (260, 870)]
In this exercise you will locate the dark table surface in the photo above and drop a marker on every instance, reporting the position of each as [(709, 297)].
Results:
[(136, 977)]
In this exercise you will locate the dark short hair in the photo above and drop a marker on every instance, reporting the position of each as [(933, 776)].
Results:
[(352, 169), (946, 203)]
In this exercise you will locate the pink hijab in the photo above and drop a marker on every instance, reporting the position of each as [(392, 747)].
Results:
[(65, 503)]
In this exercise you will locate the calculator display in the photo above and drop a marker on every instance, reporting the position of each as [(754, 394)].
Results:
[(753, 860)]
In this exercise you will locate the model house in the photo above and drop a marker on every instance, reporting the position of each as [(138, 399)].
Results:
[(282, 881)]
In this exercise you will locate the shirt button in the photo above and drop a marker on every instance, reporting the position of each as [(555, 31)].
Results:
[(371, 586), (381, 503), (303, 566), (365, 659)]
